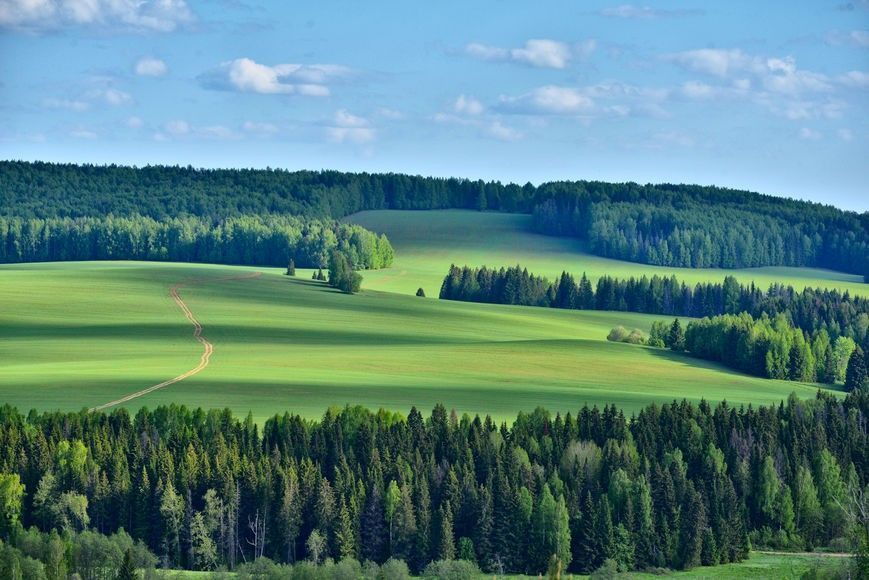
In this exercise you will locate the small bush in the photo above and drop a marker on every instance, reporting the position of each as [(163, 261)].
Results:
[(394, 569), (420, 292), (609, 569), (451, 570), (621, 334)]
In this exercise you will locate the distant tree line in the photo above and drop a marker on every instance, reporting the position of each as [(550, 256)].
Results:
[(812, 310), (260, 240), (667, 224), (768, 347), (692, 231), (677, 486)]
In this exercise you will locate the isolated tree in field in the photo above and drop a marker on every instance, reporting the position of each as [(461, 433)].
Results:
[(677, 336), (856, 375), (420, 292), (291, 268)]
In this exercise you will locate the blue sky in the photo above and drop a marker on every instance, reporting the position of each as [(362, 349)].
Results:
[(768, 96)]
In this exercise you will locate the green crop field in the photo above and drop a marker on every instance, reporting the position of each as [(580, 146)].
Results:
[(76, 335), (427, 242)]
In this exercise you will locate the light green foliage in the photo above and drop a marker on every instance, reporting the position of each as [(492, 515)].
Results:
[(842, 349), (11, 497)]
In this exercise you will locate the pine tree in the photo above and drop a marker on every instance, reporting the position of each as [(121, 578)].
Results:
[(291, 268), (420, 292), (676, 337)]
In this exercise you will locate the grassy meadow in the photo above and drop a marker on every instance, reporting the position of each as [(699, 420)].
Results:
[(427, 242), (76, 335)]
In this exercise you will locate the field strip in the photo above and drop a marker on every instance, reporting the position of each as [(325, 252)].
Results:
[(208, 348)]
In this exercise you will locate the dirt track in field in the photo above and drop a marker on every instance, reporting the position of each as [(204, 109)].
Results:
[(208, 348)]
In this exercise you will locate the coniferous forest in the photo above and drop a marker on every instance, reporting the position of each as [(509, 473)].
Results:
[(675, 486), (665, 224)]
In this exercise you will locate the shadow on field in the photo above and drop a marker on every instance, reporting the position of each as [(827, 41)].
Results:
[(699, 363)]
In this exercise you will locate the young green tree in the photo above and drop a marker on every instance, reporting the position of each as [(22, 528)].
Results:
[(291, 268), (676, 338), (11, 498), (420, 292)]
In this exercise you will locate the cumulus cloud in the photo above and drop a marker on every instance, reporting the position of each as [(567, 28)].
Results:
[(855, 79), (153, 15), (150, 67), (349, 128), (631, 12), (82, 133), (541, 53), (809, 134), (247, 75), (259, 128), (90, 98), (468, 106), (179, 129), (134, 122), (550, 100), (845, 134), (774, 74), (502, 132)]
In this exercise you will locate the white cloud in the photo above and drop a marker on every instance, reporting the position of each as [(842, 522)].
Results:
[(177, 127), (845, 134), (69, 104), (500, 131), (809, 134), (110, 96), (551, 100), (134, 122), (150, 67), (859, 38), (81, 133), (631, 12), (247, 75), (259, 128), (154, 15), (390, 114), (349, 128), (538, 52), (468, 106), (775, 74), (855, 78)]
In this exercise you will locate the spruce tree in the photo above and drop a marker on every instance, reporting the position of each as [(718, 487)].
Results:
[(856, 374), (127, 570), (291, 268)]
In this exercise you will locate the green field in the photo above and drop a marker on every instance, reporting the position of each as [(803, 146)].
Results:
[(427, 242), (759, 566), (76, 335)]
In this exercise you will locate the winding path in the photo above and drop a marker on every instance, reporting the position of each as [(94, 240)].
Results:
[(208, 348)]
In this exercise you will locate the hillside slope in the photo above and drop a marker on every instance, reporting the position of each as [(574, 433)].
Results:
[(78, 335), (427, 242)]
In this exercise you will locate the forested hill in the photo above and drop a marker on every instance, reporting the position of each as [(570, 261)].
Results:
[(665, 224)]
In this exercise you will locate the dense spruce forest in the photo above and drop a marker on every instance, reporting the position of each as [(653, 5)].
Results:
[(675, 225), (676, 486), (267, 240), (814, 311)]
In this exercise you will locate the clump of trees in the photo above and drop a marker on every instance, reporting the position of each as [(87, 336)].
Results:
[(767, 347), (621, 334), (676, 486), (342, 275), (267, 240), (667, 224)]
